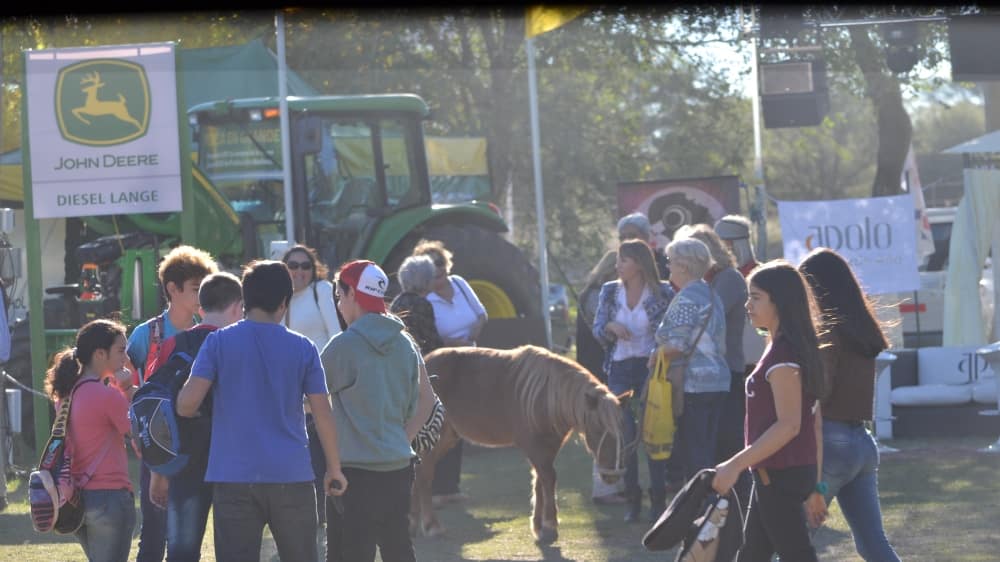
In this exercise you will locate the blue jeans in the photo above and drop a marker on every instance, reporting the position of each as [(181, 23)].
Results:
[(631, 374), (189, 499), (850, 467), (698, 431), (108, 521), (153, 528)]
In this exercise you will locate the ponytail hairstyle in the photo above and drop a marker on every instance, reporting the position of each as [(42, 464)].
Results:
[(68, 364), (797, 318)]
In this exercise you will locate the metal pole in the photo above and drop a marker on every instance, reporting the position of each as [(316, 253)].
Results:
[(536, 152), (286, 145), (758, 155)]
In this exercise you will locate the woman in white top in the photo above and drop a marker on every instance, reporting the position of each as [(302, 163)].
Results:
[(459, 318), (629, 309), (458, 313), (312, 313)]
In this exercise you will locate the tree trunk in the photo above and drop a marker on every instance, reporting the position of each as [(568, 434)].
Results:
[(894, 128)]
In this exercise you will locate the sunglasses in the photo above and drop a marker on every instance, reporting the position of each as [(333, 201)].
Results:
[(303, 265)]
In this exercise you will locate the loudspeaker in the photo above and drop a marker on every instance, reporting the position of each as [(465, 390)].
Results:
[(974, 41), (794, 93)]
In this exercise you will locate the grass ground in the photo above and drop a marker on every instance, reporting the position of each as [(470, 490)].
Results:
[(940, 498)]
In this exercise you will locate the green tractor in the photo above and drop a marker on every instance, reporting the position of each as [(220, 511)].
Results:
[(361, 189)]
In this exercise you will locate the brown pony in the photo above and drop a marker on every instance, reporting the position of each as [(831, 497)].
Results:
[(527, 397)]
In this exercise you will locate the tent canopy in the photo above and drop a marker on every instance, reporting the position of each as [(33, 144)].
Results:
[(990, 142)]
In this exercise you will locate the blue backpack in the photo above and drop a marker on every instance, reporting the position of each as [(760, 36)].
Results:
[(166, 440)]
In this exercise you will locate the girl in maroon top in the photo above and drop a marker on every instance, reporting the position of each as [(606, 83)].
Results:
[(782, 418)]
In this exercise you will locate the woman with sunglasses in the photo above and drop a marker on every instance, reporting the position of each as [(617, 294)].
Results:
[(312, 312)]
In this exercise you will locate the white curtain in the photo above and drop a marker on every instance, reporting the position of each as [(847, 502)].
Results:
[(972, 234)]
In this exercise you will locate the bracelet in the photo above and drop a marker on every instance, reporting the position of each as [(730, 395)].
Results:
[(822, 488)]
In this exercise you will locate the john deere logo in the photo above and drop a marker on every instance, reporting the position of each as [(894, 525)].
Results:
[(102, 102)]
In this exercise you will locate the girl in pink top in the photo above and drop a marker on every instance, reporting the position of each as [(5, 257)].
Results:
[(782, 419), (94, 374)]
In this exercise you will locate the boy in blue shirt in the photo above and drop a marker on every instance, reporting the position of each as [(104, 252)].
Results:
[(181, 272), (258, 460)]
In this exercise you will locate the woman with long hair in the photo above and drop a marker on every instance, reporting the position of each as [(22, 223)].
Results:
[(628, 311), (782, 421), (93, 373), (590, 354), (850, 454)]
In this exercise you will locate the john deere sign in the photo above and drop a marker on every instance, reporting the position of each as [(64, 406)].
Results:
[(103, 102), (103, 130)]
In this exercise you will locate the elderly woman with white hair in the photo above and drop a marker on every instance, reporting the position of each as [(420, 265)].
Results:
[(416, 278), (692, 335)]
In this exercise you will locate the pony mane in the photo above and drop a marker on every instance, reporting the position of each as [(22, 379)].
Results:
[(554, 392)]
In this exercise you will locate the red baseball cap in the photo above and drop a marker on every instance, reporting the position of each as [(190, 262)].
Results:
[(369, 283)]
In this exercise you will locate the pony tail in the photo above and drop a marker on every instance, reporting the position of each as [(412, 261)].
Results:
[(63, 374)]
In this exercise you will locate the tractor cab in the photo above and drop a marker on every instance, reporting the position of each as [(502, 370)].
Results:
[(355, 160)]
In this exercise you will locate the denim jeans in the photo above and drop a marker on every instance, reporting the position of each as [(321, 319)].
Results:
[(188, 501), (240, 512), (631, 374), (376, 515), (448, 472), (850, 467), (153, 527), (108, 522), (699, 431), (776, 522)]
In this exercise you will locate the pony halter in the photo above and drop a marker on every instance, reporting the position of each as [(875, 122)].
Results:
[(619, 468)]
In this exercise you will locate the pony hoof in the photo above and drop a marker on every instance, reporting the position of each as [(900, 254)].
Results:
[(546, 535), (434, 529)]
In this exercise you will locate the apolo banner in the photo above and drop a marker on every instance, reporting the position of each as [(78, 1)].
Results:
[(103, 130), (875, 235)]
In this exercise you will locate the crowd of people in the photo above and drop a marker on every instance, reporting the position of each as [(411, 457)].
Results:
[(313, 402), (774, 374)]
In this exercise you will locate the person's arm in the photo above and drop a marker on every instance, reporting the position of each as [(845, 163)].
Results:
[(425, 405), (815, 504), (605, 330), (327, 308), (477, 308), (327, 432), (786, 384), (159, 486), (203, 373), (672, 336)]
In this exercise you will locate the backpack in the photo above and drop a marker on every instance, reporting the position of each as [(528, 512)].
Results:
[(165, 440), (54, 499)]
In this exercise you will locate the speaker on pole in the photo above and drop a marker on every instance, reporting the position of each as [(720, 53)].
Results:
[(794, 93)]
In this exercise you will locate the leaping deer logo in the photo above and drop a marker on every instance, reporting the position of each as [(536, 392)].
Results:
[(94, 107)]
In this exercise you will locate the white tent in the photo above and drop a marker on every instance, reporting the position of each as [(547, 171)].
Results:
[(973, 233)]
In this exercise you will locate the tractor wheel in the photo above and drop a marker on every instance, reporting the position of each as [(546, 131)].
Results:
[(499, 273)]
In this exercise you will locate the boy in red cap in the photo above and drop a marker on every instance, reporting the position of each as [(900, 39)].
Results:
[(373, 372)]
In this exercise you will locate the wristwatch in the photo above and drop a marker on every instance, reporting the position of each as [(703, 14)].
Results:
[(822, 488)]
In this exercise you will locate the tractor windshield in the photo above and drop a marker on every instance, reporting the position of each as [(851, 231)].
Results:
[(349, 169)]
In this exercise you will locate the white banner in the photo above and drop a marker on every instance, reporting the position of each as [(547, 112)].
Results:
[(103, 130), (875, 235)]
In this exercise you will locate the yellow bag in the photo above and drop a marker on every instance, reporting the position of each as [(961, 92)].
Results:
[(657, 412)]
